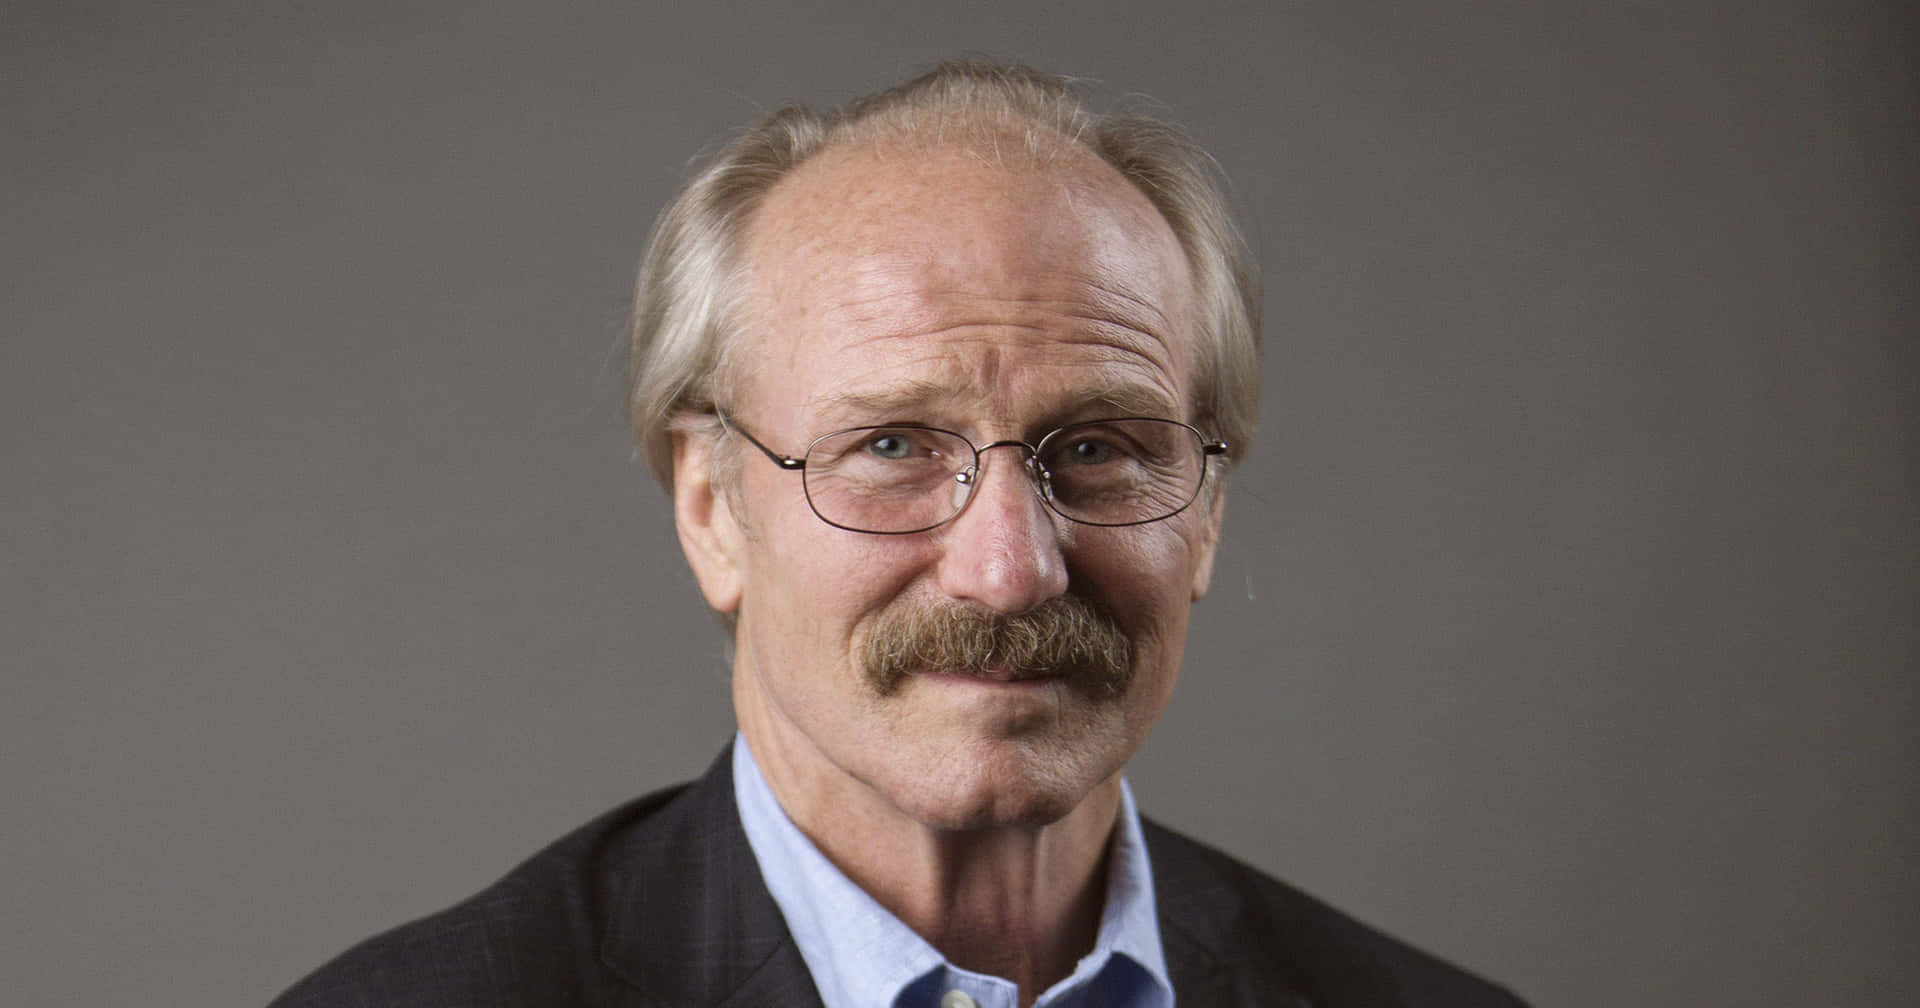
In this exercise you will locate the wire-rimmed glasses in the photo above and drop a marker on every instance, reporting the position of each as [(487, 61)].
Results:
[(897, 479)]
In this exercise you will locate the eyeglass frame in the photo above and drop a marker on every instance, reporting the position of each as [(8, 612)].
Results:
[(1038, 477)]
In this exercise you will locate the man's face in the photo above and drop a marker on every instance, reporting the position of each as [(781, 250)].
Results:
[(943, 288)]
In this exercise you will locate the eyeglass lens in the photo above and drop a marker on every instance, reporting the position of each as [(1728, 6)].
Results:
[(904, 479)]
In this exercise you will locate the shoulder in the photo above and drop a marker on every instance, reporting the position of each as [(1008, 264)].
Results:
[(529, 938), (1232, 926)]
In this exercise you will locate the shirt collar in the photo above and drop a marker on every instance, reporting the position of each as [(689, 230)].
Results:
[(861, 954)]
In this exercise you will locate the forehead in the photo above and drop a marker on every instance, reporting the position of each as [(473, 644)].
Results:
[(952, 271)]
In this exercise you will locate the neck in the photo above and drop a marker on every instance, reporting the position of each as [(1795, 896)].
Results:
[(1023, 904), (1020, 901)]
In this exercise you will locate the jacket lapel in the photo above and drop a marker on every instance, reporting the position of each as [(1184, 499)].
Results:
[(690, 922), (1217, 951)]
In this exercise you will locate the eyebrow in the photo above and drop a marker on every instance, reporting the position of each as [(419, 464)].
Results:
[(899, 403), (1133, 400), (887, 403)]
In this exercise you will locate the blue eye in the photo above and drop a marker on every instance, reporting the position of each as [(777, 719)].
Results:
[(890, 446)]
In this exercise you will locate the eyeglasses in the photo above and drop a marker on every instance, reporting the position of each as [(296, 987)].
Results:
[(898, 479)]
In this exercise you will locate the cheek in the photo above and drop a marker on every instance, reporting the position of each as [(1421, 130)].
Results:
[(1145, 576), (1143, 573), (816, 584)]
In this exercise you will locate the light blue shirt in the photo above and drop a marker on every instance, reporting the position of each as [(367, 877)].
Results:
[(862, 956)]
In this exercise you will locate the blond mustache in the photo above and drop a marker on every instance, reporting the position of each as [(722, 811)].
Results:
[(1065, 636)]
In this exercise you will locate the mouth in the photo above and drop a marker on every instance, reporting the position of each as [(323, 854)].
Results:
[(997, 674)]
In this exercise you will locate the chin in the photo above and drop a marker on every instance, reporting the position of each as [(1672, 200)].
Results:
[(999, 784)]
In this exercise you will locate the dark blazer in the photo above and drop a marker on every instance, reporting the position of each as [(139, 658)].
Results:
[(660, 903)]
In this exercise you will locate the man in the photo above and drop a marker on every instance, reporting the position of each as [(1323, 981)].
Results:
[(944, 387)]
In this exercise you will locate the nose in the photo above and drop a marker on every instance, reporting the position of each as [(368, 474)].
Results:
[(1003, 551)]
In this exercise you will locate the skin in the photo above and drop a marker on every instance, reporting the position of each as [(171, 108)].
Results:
[(999, 299)]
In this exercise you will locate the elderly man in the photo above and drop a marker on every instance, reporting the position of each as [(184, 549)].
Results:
[(944, 387)]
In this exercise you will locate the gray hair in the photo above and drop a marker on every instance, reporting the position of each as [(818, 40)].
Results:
[(686, 308)]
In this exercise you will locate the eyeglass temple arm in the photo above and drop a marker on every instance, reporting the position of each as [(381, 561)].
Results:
[(787, 462), (1208, 448)]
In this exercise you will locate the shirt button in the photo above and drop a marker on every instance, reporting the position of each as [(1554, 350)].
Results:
[(957, 999)]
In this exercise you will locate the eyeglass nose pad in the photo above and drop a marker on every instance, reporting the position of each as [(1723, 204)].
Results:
[(963, 486), (1041, 478)]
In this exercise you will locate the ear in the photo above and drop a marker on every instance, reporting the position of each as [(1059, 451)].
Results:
[(710, 535), (1216, 508)]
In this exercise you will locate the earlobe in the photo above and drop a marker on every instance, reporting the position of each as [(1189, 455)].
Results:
[(1209, 542), (709, 534)]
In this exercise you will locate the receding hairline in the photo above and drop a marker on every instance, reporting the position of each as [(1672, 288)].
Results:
[(686, 292), (827, 187)]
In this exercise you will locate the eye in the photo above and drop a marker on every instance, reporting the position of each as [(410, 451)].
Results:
[(1090, 451), (892, 445)]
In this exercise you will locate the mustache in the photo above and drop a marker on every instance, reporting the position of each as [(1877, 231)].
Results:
[(1066, 636)]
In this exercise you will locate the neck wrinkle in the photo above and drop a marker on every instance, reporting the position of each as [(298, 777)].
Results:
[(1019, 902)]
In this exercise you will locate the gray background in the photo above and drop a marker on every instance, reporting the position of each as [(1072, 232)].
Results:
[(1565, 621)]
